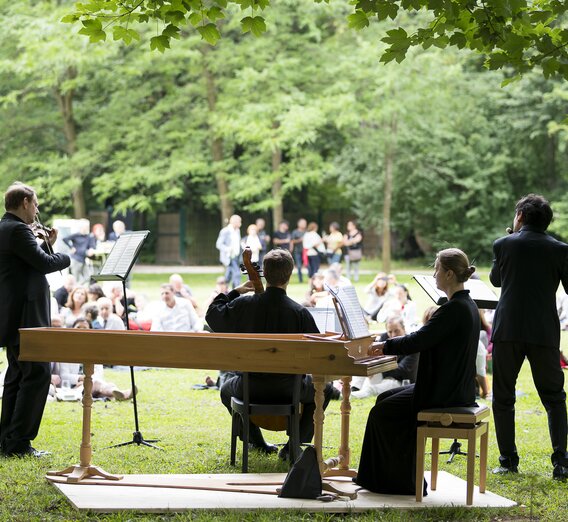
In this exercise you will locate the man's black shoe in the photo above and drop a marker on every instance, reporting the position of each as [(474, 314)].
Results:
[(560, 472), (504, 470), (29, 452), (267, 448)]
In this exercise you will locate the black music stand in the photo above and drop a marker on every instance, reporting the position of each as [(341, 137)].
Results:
[(117, 267)]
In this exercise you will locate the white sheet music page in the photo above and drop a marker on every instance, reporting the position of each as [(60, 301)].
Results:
[(348, 301)]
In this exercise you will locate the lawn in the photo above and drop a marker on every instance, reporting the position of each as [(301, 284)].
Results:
[(194, 431)]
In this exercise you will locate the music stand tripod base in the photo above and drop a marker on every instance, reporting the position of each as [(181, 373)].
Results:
[(455, 449)]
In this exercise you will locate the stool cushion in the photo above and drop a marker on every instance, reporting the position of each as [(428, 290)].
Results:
[(458, 414)]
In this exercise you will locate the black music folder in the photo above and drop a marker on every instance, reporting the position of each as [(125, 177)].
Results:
[(481, 294), (122, 256), (349, 311)]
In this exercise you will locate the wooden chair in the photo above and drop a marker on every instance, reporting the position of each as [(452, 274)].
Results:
[(453, 423), (274, 417)]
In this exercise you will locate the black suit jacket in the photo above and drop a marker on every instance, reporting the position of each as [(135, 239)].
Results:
[(24, 291), (528, 265)]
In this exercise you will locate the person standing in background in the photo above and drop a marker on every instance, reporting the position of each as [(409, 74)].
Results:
[(25, 303), (229, 246), (298, 246), (528, 265), (282, 237), (263, 237), (82, 245), (353, 240)]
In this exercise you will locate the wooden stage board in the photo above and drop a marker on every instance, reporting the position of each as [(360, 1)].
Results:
[(110, 498)]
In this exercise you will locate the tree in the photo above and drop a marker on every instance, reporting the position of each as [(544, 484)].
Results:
[(516, 34)]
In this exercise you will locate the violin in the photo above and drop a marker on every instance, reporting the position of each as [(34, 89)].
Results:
[(42, 232), (253, 271)]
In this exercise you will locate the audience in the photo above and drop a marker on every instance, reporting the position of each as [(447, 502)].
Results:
[(405, 373), (73, 307), (175, 314)]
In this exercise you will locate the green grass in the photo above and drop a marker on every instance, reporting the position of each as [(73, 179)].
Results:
[(194, 431)]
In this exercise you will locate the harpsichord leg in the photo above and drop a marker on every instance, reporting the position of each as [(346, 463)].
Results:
[(84, 469), (342, 462)]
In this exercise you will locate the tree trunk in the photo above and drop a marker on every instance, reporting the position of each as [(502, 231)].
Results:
[(65, 103), (226, 205), (278, 209), (390, 151)]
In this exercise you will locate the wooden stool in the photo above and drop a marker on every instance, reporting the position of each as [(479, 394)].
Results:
[(453, 423)]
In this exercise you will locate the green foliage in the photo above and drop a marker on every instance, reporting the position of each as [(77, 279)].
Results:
[(508, 33)]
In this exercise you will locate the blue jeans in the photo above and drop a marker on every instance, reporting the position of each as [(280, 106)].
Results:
[(233, 272), (299, 262)]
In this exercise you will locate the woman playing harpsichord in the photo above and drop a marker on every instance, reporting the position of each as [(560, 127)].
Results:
[(446, 378)]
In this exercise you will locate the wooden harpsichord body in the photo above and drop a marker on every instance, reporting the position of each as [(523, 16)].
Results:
[(272, 353), (324, 356)]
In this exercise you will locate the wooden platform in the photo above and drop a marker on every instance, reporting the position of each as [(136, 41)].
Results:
[(111, 498)]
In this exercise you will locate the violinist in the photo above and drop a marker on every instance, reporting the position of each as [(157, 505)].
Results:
[(25, 303), (274, 312)]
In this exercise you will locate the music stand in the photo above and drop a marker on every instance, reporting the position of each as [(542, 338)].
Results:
[(483, 297), (117, 267)]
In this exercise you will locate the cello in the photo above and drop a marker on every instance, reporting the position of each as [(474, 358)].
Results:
[(252, 270)]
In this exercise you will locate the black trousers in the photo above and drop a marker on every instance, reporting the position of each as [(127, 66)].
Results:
[(26, 386), (276, 388), (388, 456), (549, 382)]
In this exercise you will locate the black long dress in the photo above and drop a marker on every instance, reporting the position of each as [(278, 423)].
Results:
[(446, 378)]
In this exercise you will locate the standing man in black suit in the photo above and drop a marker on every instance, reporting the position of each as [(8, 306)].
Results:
[(529, 264), (25, 303)]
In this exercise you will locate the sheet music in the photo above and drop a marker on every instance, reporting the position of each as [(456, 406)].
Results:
[(122, 256), (346, 297), (326, 319), (481, 294)]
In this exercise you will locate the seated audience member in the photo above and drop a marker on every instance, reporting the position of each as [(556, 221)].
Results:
[(71, 374), (398, 302), (73, 307), (95, 292), (107, 320), (115, 293), (338, 269), (481, 360), (62, 293), (378, 292), (316, 290), (269, 312), (141, 319), (562, 308), (90, 311), (221, 287), (56, 321), (182, 290), (175, 314), (381, 382)]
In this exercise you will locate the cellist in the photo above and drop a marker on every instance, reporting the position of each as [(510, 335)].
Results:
[(273, 312)]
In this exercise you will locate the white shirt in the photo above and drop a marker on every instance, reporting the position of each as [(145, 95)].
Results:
[(112, 323), (181, 318)]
